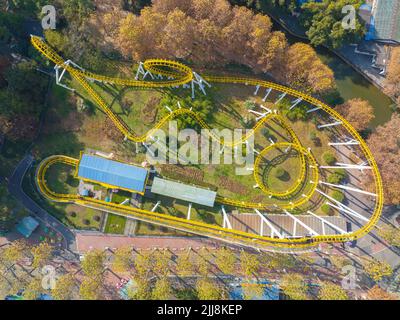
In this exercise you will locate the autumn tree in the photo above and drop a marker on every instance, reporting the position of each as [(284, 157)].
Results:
[(253, 290), (41, 254), (203, 262), (90, 289), (358, 112), (392, 81), (93, 264), (331, 291), (13, 253), (306, 71), (33, 290), (123, 260), (143, 264), (208, 289), (377, 293), (140, 289), (249, 263), (294, 286), (377, 269), (391, 234), (162, 289), (64, 289), (162, 259), (184, 265), (384, 143), (225, 260)]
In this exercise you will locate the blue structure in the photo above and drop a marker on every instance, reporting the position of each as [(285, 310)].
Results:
[(112, 174), (26, 226), (271, 292)]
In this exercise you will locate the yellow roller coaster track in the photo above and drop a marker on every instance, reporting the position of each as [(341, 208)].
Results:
[(179, 74)]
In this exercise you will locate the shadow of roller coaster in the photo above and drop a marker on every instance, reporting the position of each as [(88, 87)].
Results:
[(178, 74)]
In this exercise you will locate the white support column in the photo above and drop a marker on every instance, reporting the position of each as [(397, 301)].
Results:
[(341, 206), (313, 232), (348, 188), (346, 166), (189, 211), (295, 103), (313, 109), (280, 97), (155, 206), (142, 71), (226, 222), (347, 143), (270, 225), (324, 221), (267, 92), (294, 228), (168, 108), (148, 149), (329, 124), (257, 88)]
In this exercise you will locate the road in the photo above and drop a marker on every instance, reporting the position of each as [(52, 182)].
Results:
[(15, 188)]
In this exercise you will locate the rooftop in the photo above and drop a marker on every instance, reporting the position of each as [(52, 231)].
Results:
[(26, 226), (183, 191), (386, 20), (112, 173)]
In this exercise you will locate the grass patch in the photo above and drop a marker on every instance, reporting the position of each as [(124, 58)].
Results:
[(115, 224)]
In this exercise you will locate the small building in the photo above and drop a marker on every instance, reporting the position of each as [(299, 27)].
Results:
[(384, 24), (183, 192), (111, 174), (27, 225)]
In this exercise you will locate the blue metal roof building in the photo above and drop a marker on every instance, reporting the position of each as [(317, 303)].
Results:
[(112, 174), (26, 226)]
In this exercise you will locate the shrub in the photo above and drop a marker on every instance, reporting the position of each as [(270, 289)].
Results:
[(265, 132), (329, 158), (338, 196), (72, 214), (249, 105), (280, 173), (86, 222), (326, 209), (338, 176), (313, 135), (96, 218)]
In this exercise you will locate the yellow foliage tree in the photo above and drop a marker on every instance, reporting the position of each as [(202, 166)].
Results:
[(41, 254), (377, 269), (331, 291), (225, 260), (294, 286)]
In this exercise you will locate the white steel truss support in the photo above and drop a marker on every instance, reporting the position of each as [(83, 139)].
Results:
[(267, 92), (257, 88), (347, 143), (313, 232), (155, 206), (348, 188), (141, 71), (226, 222), (295, 103), (341, 206), (270, 225), (346, 166), (324, 221), (189, 211), (168, 108), (148, 149), (313, 109), (281, 96), (336, 123), (199, 81)]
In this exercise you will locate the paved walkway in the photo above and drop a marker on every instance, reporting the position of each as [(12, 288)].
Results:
[(89, 241), (15, 188)]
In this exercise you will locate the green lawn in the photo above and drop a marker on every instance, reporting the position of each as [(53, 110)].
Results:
[(115, 224)]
